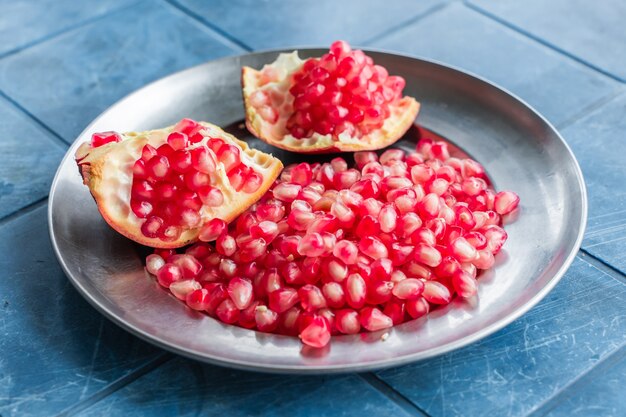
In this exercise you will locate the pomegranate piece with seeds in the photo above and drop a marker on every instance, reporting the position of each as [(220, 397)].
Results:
[(341, 101), (162, 187), (317, 257)]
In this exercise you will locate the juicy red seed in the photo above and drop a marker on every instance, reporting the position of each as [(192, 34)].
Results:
[(346, 251), (287, 192), (505, 202), (395, 310), (158, 167), (265, 229), (436, 293), (168, 274), (147, 152), (240, 292), (373, 247), (226, 244), (252, 182), (266, 320), (417, 307), (142, 209), (463, 250), (347, 321), (311, 298), (312, 245), (334, 294), (229, 156), (189, 265), (198, 299), (211, 230), (181, 289), (177, 140), (317, 333), (227, 312), (373, 319), (202, 160), (408, 289), (283, 299), (210, 196), (464, 284), (99, 139), (355, 289), (150, 228)]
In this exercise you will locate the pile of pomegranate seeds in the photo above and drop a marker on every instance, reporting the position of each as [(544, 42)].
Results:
[(338, 250), (173, 182), (343, 91)]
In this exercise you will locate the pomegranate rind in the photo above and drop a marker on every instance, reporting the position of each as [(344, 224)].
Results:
[(403, 114), (107, 172)]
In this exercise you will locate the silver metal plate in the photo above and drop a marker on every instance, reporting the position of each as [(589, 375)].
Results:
[(520, 150)]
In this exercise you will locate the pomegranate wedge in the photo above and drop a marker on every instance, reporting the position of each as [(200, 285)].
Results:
[(168, 187), (339, 102)]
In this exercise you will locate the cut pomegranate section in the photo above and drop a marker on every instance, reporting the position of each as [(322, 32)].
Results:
[(160, 187), (338, 102)]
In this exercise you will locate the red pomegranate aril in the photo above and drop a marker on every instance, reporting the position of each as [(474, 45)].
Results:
[(496, 236), (266, 229), (152, 225), (181, 289), (387, 218), (505, 202), (227, 312), (395, 310), (347, 321), (240, 292), (177, 140), (463, 250), (99, 139), (379, 292), (464, 284), (436, 293), (336, 270), (168, 274), (346, 179), (408, 289), (142, 209), (355, 289), (143, 190), (427, 255), (417, 307), (373, 247), (211, 196), (211, 230), (368, 226), (311, 245), (158, 167), (154, 262), (202, 160), (266, 320), (229, 156), (363, 158), (189, 265), (283, 299), (317, 333), (198, 299), (346, 251), (429, 206), (287, 192), (311, 298), (139, 170), (373, 319), (334, 294), (484, 260)]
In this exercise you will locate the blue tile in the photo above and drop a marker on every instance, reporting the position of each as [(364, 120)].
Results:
[(261, 24), (69, 80), (599, 142), (55, 349), (185, 388), (557, 86), (24, 22), (587, 30), (515, 370), (29, 157), (601, 393)]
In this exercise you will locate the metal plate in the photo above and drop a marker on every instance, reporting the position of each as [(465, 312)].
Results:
[(520, 150)]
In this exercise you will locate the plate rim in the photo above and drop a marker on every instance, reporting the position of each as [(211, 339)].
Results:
[(340, 368)]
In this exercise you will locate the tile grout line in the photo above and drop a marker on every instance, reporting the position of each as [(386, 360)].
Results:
[(426, 13), (198, 18), (393, 395), (541, 41), (23, 210), (553, 401), (40, 123), (601, 102), (53, 35), (600, 265), (116, 385)]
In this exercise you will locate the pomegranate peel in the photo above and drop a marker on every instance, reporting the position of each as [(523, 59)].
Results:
[(269, 121), (108, 171)]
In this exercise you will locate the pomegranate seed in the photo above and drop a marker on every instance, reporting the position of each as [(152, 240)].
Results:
[(266, 320), (334, 294), (227, 312), (181, 289), (154, 262), (168, 274), (283, 299), (464, 284), (373, 319), (150, 228), (395, 311), (177, 140), (373, 247), (496, 236), (427, 255), (229, 156), (379, 292), (408, 289), (355, 291), (317, 333), (189, 265), (346, 251), (211, 230), (266, 230), (311, 245), (463, 250), (198, 299), (142, 209), (287, 192), (202, 160), (484, 260), (505, 202), (387, 218), (436, 293), (311, 298), (240, 291), (417, 307)]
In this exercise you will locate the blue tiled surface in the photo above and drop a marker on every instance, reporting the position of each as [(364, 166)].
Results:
[(515, 370), (185, 388), (604, 169), (24, 22), (55, 349), (271, 24), (29, 156), (88, 69), (591, 31), (459, 36), (62, 63)]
